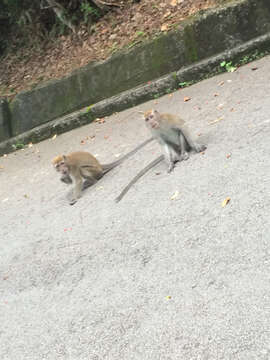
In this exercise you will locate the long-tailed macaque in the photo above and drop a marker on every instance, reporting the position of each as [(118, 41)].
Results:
[(175, 139), (84, 169), (173, 135)]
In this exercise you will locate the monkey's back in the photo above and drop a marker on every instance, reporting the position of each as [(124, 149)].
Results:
[(86, 160)]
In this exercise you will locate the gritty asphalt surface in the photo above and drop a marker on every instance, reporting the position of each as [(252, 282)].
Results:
[(151, 277)]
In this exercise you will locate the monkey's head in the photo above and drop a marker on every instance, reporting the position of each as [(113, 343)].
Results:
[(60, 165), (151, 118)]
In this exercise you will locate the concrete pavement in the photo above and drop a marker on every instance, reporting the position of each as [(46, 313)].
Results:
[(150, 277)]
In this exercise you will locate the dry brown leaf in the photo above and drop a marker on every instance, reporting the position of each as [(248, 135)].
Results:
[(168, 13), (54, 136), (228, 156), (226, 201), (221, 83), (164, 27), (187, 98)]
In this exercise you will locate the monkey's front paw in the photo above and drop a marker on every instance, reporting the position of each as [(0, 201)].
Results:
[(73, 201), (201, 148), (184, 156)]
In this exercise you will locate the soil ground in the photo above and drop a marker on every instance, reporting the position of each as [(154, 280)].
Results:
[(122, 28)]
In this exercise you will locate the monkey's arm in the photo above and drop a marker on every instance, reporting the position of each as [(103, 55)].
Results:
[(138, 176)]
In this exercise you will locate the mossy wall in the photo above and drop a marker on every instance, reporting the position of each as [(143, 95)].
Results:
[(206, 34)]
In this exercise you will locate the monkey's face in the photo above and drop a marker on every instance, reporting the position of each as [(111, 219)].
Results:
[(151, 119), (62, 167)]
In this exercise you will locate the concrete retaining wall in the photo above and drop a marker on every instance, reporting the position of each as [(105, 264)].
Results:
[(198, 38)]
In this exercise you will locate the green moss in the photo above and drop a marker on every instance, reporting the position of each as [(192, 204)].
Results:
[(191, 52)]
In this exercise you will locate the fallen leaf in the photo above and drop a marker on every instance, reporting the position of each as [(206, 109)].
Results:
[(220, 106), (226, 201), (26, 196), (158, 173), (228, 156), (82, 142), (215, 121), (254, 68), (30, 145), (232, 109), (106, 137), (199, 134), (221, 83), (100, 188), (170, 95), (54, 137), (173, 2), (168, 13), (187, 98), (216, 95), (5, 155), (175, 195), (164, 27), (229, 81), (168, 297)]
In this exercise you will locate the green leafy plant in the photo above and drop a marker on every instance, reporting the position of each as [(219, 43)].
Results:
[(228, 66), (18, 146), (185, 84), (89, 12)]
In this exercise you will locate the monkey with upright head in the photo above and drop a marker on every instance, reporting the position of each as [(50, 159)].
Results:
[(173, 135)]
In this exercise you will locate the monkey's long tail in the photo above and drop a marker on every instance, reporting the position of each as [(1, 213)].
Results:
[(138, 176), (108, 167)]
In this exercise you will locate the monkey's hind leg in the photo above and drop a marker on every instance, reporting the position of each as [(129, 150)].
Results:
[(183, 147), (90, 177), (88, 182)]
